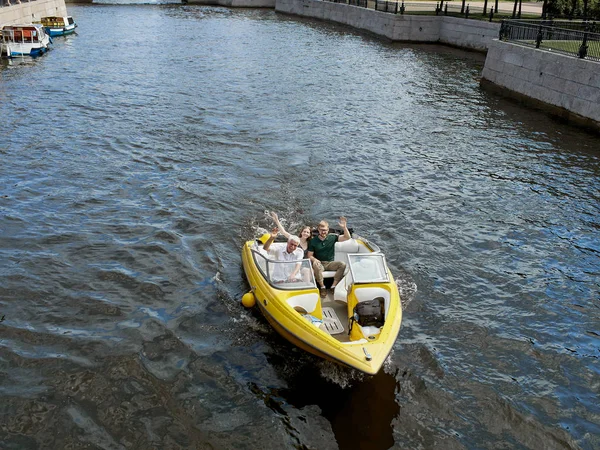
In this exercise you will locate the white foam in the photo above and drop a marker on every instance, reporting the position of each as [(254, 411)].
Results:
[(342, 376), (407, 290)]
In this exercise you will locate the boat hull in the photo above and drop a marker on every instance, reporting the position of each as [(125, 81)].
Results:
[(364, 355), (53, 32), (17, 50)]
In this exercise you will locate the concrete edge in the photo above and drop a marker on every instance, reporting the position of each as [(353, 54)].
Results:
[(557, 112)]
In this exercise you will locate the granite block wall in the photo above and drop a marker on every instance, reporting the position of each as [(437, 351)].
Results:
[(28, 12), (564, 82)]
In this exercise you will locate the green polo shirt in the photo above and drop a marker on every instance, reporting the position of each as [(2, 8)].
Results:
[(323, 250)]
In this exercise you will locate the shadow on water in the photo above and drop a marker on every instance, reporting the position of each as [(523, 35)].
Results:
[(360, 409)]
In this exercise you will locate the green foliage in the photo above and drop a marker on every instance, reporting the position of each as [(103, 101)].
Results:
[(574, 8)]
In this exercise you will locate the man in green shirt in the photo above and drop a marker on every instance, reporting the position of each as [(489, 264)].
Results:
[(321, 251)]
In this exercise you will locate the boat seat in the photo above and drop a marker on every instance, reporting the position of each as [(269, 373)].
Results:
[(306, 302), (369, 293), (340, 293), (369, 331), (341, 254)]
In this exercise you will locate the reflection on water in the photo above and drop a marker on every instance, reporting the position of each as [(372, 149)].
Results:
[(136, 162), (360, 409)]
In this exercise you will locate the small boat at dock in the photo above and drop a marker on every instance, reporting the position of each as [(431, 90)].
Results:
[(23, 40), (58, 26)]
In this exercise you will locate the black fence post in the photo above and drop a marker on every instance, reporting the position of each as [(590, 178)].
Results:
[(583, 49), (462, 8), (503, 30)]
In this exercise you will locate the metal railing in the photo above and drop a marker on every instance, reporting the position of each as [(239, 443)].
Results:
[(576, 25), (443, 7), (581, 42), (390, 6)]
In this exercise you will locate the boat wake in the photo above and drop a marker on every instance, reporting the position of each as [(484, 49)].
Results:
[(407, 289)]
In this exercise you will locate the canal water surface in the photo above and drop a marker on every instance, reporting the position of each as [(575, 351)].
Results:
[(138, 155)]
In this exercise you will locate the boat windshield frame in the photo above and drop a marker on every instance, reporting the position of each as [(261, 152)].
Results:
[(272, 271), (16, 34), (370, 245), (368, 268)]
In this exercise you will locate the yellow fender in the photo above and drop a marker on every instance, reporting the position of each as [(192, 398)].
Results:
[(248, 300)]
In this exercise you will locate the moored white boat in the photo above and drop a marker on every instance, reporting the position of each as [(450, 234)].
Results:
[(58, 26), (331, 327), (23, 40)]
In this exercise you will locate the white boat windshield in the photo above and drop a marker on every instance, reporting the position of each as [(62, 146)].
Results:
[(286, 274), (368, 268)]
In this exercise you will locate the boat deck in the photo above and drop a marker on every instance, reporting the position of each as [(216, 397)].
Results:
[(335, 318)]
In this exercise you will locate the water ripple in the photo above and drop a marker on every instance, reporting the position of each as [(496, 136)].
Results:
[(133, 175)]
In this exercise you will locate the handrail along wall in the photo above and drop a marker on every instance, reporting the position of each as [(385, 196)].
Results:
[(580, 39)]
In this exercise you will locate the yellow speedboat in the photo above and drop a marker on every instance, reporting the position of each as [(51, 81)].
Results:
[(356, 325)]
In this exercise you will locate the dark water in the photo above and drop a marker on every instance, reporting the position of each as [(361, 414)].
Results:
[(138, 155)]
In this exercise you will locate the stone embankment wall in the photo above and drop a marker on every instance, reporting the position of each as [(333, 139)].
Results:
[(563, 85), (236, 3), (230, 3), (566, 85), (465, 33), (31, 11), (470, 34)]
